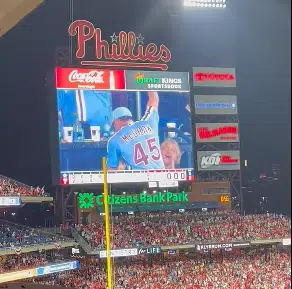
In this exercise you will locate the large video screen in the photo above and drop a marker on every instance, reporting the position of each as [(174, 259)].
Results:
[(139, 121)]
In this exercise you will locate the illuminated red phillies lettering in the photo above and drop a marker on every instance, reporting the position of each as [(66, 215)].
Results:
[(203, 76), (125, 49), (228, 160), (205, 133)]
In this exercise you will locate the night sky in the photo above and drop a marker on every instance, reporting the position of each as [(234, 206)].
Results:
[(253, 36)]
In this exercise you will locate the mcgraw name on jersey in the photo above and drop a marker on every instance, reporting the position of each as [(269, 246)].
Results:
[(136, 132)]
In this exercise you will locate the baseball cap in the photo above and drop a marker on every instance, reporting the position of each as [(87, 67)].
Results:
[(121, 112)]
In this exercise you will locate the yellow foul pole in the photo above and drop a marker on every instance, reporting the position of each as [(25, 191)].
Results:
[(107, 226)]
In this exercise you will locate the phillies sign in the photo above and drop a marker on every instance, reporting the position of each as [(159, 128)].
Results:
[(217, 132), (124, 49), (218, 161), (214, 77)]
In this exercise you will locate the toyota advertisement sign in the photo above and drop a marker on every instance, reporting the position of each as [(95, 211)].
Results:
[(214, 77), (218, 160), (217, 132), (215, 104)]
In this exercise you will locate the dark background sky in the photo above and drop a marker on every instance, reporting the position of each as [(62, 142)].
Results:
[(253, 36)]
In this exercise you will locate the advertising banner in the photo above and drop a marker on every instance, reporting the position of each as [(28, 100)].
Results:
[(157, 81), (119, 253), (10, 201), (88, 200), (54, 268), (78, 78), (149, 251), (217, 132), (218, 160), (286, 242), (215, 104), (39, 271), (214, 77), (227, 245)]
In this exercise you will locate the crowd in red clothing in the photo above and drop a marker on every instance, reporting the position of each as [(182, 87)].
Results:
[(23, 261), (29, 260), (10, 187), (253, 269), (184, 228)]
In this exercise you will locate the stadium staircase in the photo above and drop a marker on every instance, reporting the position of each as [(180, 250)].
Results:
[(85, 246)]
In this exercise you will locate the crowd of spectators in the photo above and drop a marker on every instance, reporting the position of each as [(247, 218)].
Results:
[(10, 187), (184, 228), (236, 270), (29, 260), (17, 236), (20, 262)]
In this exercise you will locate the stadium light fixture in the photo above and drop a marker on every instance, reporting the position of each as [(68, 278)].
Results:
[(211, 4)]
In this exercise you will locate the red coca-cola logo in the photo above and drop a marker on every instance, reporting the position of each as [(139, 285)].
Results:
[(203, 76), (93, 76), (125, 49)]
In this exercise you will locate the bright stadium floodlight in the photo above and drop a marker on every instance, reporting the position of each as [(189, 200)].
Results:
[(213, 4)]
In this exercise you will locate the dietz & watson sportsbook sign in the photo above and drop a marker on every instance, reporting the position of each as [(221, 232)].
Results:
[(88, 200), (125, 49)]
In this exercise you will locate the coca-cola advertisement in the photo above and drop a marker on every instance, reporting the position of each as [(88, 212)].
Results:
[(140, 121)]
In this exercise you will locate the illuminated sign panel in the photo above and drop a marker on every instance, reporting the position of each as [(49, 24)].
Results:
[(217, 132), (115, 114), (90, 79), (214, 77), (115, 253), (88, 200), (125, 49), (218, 160), (155, 80), (215, 104), (225, 199), (10, 201), (39, 271)]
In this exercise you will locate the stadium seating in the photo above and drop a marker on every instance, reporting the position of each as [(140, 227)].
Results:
[(10, 187), (184, 228), (15, 236), (253, 269)]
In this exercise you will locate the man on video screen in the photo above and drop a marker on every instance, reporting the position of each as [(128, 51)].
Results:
[(135, 145)]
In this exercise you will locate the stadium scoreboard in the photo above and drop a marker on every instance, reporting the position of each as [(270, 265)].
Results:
[(114, 177), (139, 121)]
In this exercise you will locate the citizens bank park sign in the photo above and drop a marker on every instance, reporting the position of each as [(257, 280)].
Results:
[(218, 160), (125, 49), (217, 132)]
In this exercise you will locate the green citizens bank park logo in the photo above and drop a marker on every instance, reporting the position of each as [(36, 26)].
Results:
[(158, 82), (88, 200)]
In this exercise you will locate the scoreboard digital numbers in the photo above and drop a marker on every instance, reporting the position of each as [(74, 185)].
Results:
[(114, 177), (138, 120), (225, 199)]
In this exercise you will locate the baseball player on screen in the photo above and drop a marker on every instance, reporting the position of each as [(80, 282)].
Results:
[(135, 145)]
